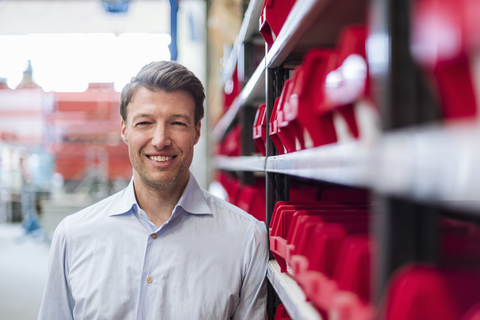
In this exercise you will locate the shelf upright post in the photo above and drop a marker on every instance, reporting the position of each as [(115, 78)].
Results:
[(269, 177), (404, 231), (276, 184), (246, 119)]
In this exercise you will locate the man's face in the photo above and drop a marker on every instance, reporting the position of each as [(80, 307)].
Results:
[(160, 132)]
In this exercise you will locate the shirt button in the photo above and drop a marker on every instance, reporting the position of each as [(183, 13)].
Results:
[(149, 279), (154, 235)]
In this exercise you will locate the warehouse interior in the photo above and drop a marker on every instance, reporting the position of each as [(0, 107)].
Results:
[(363, 110)]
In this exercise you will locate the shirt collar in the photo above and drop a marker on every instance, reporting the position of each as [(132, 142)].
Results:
[(126, 201), (191, 201)]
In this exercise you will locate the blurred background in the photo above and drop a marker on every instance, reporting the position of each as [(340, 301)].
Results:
[(366, 102), (62, 66)]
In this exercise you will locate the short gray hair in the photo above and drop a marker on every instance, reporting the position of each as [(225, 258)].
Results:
[(165, 75)]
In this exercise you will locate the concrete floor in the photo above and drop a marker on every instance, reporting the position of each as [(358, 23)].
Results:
[(23, 271)]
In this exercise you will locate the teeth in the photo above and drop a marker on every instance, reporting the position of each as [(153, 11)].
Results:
[(160, 158)]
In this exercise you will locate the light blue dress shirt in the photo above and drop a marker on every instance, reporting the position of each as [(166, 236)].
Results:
[(108, 261)]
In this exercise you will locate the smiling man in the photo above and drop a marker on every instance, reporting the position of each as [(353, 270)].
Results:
[(162, 248)]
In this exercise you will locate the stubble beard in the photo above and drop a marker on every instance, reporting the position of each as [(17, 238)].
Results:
[(166, 185)]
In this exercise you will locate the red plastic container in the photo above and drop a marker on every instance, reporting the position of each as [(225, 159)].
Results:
[(289, 121), (444, 36), (306, 219), (282, 222), (288, 131), (425, 292), (231, 90), (252, 199), (305, 103), (232, 186), (274, 14), (273, 128), (260, 129), (353, 276), (231, 143), (318, 248), (348, 82)]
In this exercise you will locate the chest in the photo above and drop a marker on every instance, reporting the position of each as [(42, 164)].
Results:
[(162, 273)]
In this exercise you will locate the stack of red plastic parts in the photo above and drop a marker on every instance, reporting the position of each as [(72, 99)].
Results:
[(447, 291), (274, 14), (252, 198), (325, 247), (329, 82), (444, 38)]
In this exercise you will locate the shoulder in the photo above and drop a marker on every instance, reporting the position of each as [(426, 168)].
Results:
[(95, 212)]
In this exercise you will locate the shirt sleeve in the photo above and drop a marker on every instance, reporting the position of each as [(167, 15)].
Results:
[(253, 295), (57, 302)]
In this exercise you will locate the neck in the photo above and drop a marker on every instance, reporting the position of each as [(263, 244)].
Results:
[(158, 203)]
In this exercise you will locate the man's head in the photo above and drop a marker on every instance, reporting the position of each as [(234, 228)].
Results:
[(168, 76), (161, 110)]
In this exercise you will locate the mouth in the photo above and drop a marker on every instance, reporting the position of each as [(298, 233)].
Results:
[(161, 158)]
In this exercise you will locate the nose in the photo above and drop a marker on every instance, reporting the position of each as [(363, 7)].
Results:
[(161, 137)]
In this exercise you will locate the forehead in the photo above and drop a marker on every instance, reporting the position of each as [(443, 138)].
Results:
[(161, 102)]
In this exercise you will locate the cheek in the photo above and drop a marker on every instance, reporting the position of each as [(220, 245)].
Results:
[(135, 140)]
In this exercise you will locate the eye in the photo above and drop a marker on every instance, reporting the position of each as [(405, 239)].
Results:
[(178, 123), (142, 123)]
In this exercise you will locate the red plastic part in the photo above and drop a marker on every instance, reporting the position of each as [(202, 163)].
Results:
[(288, 131), (353, 267), (300, 220), (349, 288), (231, 143), (231, 90), (260, 129), (252, 199), (273, 128), (455, 88), (425, 292), (274, 14), (442, 41), (310, 109), (351, 73), (280, 224), (290, 109)]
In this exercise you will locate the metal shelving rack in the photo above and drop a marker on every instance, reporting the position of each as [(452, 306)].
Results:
[(416, 167)]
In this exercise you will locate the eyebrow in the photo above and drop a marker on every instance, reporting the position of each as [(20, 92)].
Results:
[(141, 115), (148, 115)]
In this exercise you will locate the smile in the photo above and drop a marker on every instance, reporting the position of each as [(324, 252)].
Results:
[(160, 158)]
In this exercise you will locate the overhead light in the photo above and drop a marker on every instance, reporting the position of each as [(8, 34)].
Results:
[(116, 6)]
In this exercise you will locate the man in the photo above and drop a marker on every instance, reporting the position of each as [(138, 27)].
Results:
[(163, 248)]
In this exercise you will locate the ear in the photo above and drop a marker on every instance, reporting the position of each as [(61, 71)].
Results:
[(197, 131), (123, 131)]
